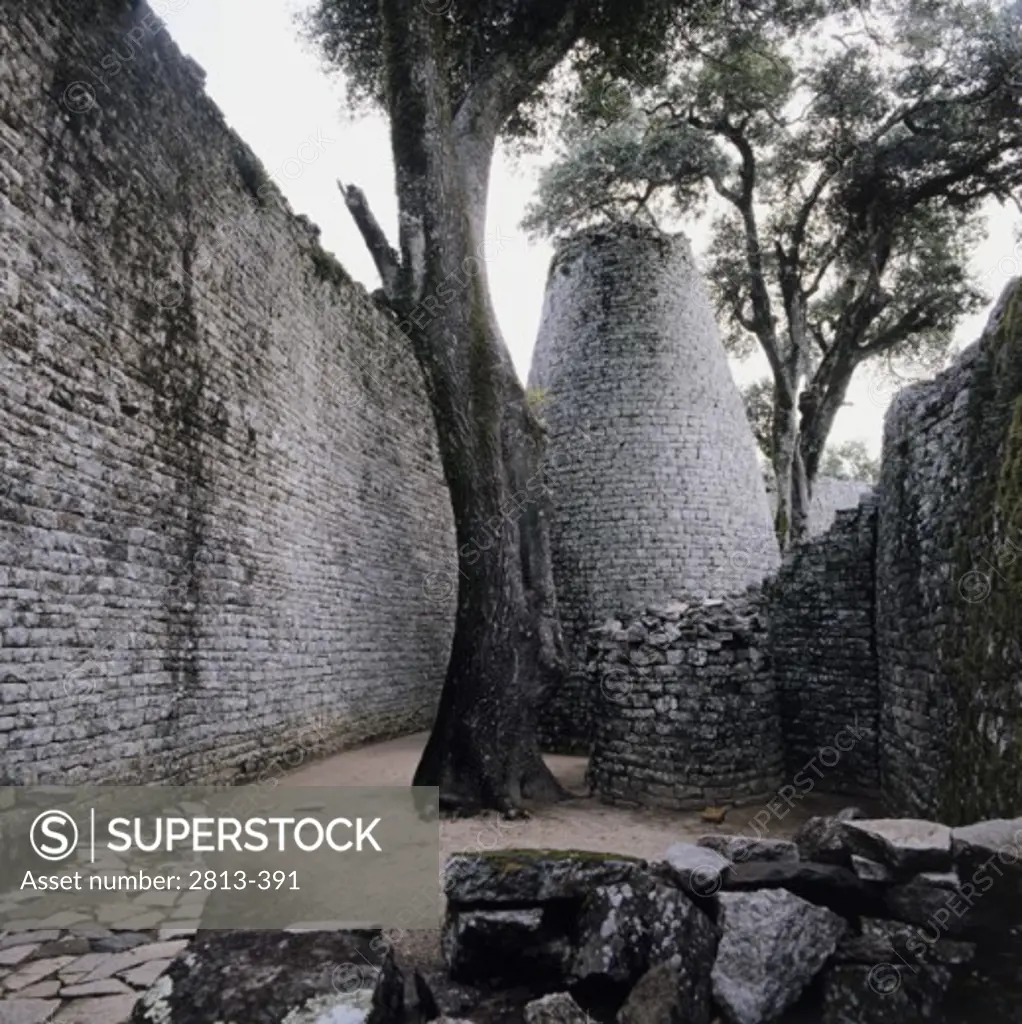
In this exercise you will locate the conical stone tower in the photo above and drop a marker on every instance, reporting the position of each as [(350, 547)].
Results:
[(657, 493)]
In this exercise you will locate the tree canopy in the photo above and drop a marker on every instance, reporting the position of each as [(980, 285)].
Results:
[(848, 153)]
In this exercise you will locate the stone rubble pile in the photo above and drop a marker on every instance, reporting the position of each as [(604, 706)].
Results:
[(883, 920), (852, 921)]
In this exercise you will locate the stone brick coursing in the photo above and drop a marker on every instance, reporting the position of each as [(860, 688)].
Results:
[(821, 610), (687, 711), (831, 494), (949, 583), (221, 491), (651, 460)]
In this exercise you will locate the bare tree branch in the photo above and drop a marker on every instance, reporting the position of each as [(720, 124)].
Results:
[(388, 262)]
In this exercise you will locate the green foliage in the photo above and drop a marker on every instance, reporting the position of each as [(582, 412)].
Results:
[(848, 152), (611, 38), (758, 399), (850, 461)]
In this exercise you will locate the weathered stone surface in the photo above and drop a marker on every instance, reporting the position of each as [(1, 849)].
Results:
[(644, 383), (668, 733), (699, 870), (821, 611), (220, 462), (883, 994), (665, 995), (771, 947), (557, 1008), (261, 977), (949, 573), (106, 987), (906, 845), (827, 885), (508, 946), (28, 1011), (625, 929), (741, 849), (935, 906), (532, 876), (988, 855), (823, 840), (895, 942), (104, 1010), (870, 870)]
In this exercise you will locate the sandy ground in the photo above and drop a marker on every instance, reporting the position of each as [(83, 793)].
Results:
[(581, 823)]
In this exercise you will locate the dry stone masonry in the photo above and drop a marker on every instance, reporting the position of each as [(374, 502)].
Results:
[(822, 646), (949, 575), (891, 657), (221, 491), (657, 493), (687, 710), (830, 495)]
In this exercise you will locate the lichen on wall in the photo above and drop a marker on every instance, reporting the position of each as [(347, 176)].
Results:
[(949, 574), (221, 491)]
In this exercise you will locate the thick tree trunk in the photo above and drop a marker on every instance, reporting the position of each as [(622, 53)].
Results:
[(785, 447), (482, 751)]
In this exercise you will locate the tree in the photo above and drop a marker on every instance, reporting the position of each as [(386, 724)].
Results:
[(850, 461), (452, 76), (848, 160)]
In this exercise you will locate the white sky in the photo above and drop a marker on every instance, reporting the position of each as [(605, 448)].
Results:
[(275, 94)]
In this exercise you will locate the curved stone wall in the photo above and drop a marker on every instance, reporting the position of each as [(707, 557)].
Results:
[(221, 489), (687, 710), (656, 489)]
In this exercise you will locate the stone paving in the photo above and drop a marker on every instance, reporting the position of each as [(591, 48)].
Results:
[(84, 973)]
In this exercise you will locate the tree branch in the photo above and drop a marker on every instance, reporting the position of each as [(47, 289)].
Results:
[(388, 262)]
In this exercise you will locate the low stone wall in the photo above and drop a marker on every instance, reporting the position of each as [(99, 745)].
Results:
[(821, 606), (687, 710)]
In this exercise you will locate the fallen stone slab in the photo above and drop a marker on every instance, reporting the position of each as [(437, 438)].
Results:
[(742, 849), (663, 996), (905, 845), (699, 870), (772, 945), (625, 929), (532, 876), (262, 977), (988, 855), (885, 993), (826, 885), (508, 946), (944, 911), (883, 941), (557, 1008), (823, 840)]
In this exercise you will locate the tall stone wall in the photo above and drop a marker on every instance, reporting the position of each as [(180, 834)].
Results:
[(657, 493), (821, 611), (221, 491), (949, 583)]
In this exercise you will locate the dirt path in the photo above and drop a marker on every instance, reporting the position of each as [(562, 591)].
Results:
[(582, 823)]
